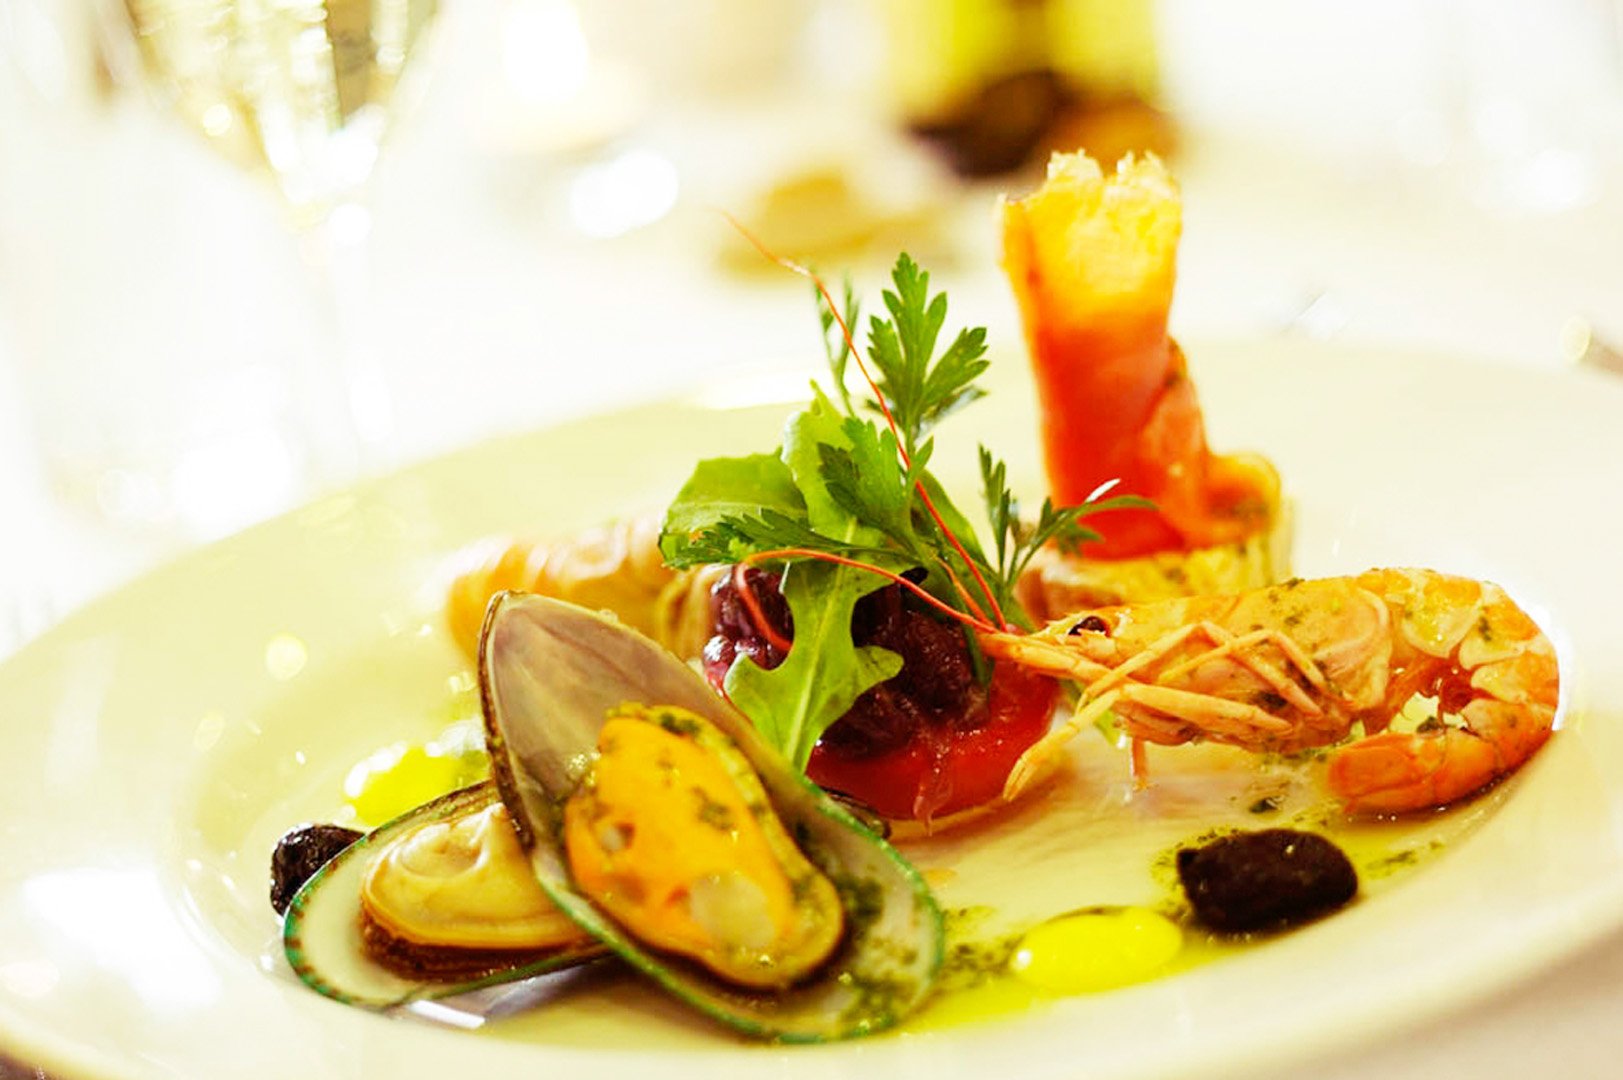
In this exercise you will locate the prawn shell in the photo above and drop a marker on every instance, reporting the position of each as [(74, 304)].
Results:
[(549, 674), (321, 932)]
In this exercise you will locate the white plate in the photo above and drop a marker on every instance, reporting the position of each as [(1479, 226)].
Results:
[(156, 743)]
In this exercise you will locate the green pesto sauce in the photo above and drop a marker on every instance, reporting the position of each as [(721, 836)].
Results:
[(717, 815), (972, 959), (863, 900), (875, 998), (677, 723)]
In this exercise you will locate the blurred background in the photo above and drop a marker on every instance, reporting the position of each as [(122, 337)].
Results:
[(250, 251)]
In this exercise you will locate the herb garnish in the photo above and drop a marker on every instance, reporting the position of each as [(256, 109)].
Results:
[(847, 503)]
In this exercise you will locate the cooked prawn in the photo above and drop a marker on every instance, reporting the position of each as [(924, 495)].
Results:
[(1296, 665)]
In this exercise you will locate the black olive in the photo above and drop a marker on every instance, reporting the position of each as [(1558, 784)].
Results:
[(299, 854), (1265, 880), (1093, 624)]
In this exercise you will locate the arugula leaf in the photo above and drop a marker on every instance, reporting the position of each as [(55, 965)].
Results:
[(821, 424), (824, 673), (726, 488)]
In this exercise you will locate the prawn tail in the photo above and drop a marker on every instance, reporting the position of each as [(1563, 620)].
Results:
[(1494, 675), (1394, 772)]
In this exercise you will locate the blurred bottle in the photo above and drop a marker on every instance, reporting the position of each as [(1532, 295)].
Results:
[(994, 83)]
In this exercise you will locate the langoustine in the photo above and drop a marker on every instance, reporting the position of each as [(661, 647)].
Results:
[(1296, 665), (1092, 262)]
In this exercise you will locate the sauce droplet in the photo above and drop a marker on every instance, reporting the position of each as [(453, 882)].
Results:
[(1096, 949)]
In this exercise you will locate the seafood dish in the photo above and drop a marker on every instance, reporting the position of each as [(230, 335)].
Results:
[(752, 751)]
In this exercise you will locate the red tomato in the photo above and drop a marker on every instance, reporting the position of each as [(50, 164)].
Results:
[(940, 773)]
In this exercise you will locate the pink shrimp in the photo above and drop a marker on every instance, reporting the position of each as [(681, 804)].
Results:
[(1296, 665)]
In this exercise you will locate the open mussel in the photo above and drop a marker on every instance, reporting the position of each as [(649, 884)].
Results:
[(438, 902), (656, 818)]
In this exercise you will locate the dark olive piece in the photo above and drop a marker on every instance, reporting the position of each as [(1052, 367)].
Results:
[(299, 854), (1092, 624), (1265, 880)]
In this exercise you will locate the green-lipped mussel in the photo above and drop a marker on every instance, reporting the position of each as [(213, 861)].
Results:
[(551, 676), (649, 812), (435, 903)]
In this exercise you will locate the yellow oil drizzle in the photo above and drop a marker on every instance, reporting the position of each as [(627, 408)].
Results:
[(993, 999), (1095, 950)]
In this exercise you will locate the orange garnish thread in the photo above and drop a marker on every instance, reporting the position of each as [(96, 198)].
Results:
[(963, 592), (840, 560), (918, 486), (1139, 766), (752, 604)]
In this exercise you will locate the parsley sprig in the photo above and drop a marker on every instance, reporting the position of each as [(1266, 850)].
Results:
[(919, 387), (850, 492)]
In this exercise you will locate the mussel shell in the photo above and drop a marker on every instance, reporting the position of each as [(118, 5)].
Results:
[(549, 674), (321, 933)]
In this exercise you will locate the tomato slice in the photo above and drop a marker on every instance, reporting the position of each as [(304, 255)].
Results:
[(940, 773)]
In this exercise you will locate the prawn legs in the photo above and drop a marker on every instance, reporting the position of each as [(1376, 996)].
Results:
[(1297, 665)]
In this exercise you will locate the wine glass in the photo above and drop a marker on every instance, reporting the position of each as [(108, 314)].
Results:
[(299, 90)]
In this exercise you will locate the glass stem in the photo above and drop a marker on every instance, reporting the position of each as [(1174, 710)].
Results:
[(345, 402)]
